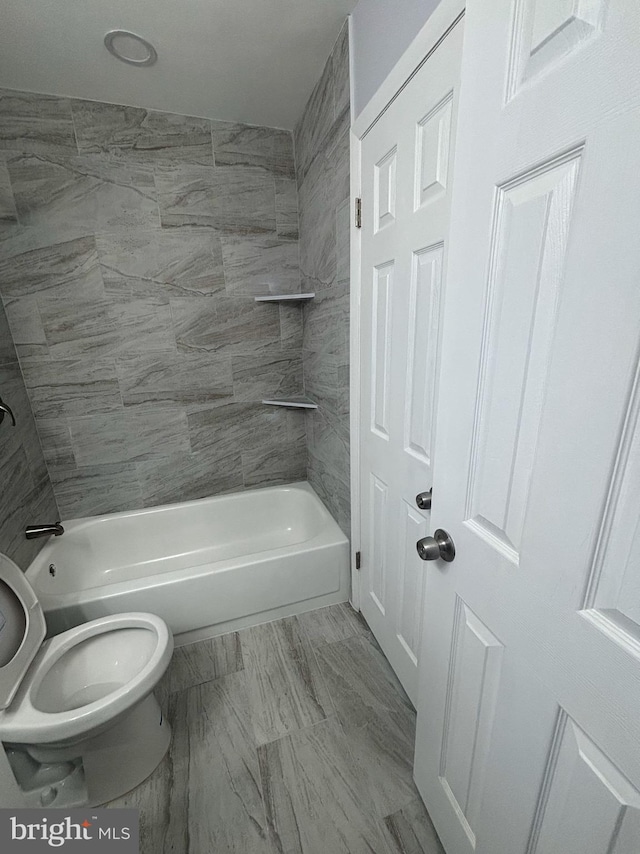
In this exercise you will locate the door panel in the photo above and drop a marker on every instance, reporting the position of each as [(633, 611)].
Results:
[(406, 169), (537, 442)]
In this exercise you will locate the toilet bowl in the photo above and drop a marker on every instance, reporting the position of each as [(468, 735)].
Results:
[(78, 719)]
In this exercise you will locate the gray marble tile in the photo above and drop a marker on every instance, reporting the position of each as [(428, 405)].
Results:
[(39, 123), (315, 800), (260, 264), (333, 488), (286, 690), (39, 503), (315, 123), (247, 145), (27, 330), (321, 378), (66, 269), (202, 662), (234, 427), (317, 227), (24, 434), (179, 263), (343, 249), (338, 157), (129, 435), (287, 207), (216, 793), (327, 321), (142, 136), (55, 438), (109, 327), (152, 799), (93, 490), (340, 63), (224, 325), (200, 378), (272, 373), (291, 327), (335, 623), (274, 464), (72, 387), (7, 347), (377, 717), (237, 198), (188, 476), (89, 193), (411, 831), (8, 213)]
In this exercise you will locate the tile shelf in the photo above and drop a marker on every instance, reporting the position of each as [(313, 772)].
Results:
[(291, 402), (285, 298)]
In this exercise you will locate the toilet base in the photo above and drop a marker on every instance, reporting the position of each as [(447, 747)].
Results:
[(114, 761)]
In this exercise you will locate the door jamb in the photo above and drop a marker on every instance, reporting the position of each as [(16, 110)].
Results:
[(442, 20)]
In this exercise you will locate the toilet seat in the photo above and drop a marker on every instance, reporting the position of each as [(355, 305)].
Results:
[(32, 716)]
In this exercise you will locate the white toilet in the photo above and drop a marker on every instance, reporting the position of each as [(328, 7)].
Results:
[(79, 723)]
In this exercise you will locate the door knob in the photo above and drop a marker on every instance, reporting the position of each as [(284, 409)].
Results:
[(438, 547), (423, 500)]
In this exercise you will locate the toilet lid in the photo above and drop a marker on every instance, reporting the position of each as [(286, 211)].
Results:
[(22, 628)]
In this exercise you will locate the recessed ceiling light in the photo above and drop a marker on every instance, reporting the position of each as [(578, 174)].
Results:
[(130, 48)]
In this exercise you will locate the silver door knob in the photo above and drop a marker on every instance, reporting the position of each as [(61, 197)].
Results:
[(438, 547), (423, 500)]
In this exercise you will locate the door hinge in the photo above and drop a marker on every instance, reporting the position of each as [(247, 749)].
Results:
[(358, 213), (358, 560)]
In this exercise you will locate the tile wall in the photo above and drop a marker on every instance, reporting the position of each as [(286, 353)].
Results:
[(132, 244), (26, 495), (322, 166)]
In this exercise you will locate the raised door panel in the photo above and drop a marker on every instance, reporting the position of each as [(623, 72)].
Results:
[(380, 359), (422, 352), (530, 233), (384, 190), (433, 152), (412, 577), (586, 803), (612, 600), (378, 510), (546, 32), (472, 691)]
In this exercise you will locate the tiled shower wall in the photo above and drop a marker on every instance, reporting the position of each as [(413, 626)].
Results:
[(26, 496), (132, 244), (322, 166)]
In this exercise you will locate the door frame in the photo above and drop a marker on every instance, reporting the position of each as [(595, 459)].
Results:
[(444, 17)]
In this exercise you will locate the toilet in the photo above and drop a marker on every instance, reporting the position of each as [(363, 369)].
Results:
[(79, 723)]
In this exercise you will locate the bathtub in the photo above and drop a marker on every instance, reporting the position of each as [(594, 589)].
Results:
[(206, 567)]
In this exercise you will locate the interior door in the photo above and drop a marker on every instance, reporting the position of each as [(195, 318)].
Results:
[(529, 711), (406, 179)]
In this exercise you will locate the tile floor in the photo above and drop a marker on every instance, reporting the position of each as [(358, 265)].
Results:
[(293, 737)]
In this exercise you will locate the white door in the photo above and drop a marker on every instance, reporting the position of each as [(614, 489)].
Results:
[(406, 179), (529, 710)]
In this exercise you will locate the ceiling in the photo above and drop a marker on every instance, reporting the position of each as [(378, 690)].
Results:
[(253, 61)]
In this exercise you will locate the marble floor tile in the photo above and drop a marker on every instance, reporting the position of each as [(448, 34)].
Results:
[(202, 662), (315, 800), (411, 831), (377, 717), (285, 687), (143, 136), (216, 780), (335, 623)]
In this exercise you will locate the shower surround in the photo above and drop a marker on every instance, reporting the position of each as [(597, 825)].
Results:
[(322, 166), (132, 244)]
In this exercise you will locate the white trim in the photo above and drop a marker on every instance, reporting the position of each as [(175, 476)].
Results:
[(440, 22), (427, 38)]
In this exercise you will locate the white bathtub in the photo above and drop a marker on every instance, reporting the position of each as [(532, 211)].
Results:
[(206, 567)]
